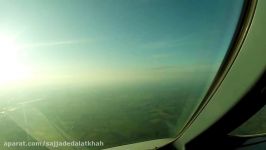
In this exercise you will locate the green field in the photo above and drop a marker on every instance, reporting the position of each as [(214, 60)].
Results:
[(116, 115)]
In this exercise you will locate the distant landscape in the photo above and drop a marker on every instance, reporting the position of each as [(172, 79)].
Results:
[(116, 115)]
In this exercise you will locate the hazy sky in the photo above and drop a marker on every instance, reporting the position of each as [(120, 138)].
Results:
[(120, 39)]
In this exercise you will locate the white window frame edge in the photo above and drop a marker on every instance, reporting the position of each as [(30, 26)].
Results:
[(248, 66)]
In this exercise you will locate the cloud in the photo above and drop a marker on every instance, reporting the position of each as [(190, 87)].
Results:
[(166, 43), (56, 43), (182, 41)]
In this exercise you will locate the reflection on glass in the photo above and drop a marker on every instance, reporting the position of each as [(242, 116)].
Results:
[(117, 71), (253, 126)]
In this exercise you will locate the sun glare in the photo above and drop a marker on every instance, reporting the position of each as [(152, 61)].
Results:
[(11, 69)]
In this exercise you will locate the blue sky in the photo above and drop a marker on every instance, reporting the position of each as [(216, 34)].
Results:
[(127, 37)]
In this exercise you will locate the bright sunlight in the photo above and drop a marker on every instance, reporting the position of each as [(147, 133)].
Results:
[(11, 69)]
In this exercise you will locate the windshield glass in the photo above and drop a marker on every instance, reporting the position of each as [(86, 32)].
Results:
[(113, 72), (254, 126)]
